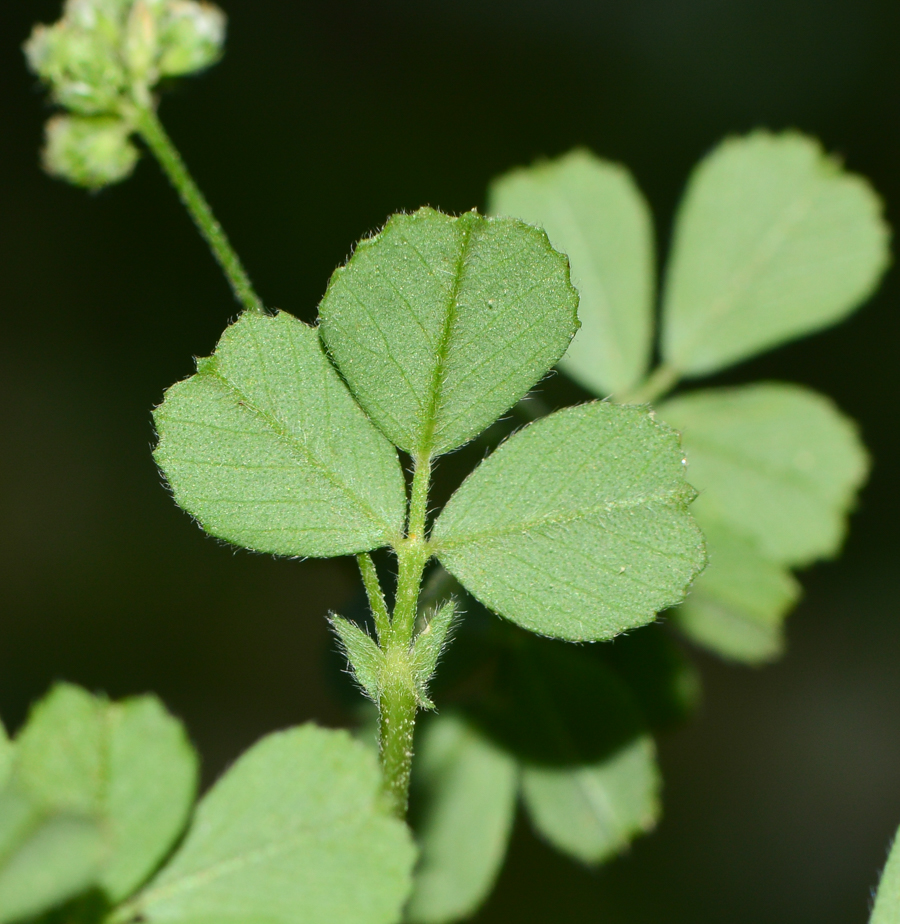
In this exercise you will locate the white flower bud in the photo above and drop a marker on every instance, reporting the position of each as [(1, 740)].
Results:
[(104, 55), (140, 42), (191, 36), (89, 151)]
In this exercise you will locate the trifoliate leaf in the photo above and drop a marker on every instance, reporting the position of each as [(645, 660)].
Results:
[(440, 324), (363, 654), (736, 608), (578, 525), (592, 812), (773, 240), (98, 794), (89, 151), (594, 213), (268, 450), (429, 644), (887, 901), (469, 787), (778, 464), (294, 833)]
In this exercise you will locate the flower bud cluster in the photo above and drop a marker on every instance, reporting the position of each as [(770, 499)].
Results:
[(100, 60)]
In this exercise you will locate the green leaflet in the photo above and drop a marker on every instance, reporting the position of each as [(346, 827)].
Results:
[(593, 812), (440, 324), (268, 450), (773, 240), (776, 463), (738, 605), (98, 794), (293, 833), (578, 525), (593, 212), (470, 786), (150, 790), (887, 901), (44, 859)]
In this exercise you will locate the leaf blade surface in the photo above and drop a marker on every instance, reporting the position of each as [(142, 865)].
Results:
[(593, 812), (737, 607), (294, 832), (775, 463), (441, 324), (772, 240), (268, 450), (593, 212), (577, 527)]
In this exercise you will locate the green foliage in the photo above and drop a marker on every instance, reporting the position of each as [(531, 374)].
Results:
[(778, 464), (592, 812), (97, 794), (777, 468), (440, 324), (887, 901), (600, 539), (737, 606), (102, 59), (576, 527), (569, 721), (294, 832), (268, 450), (773, 240), (593, 212), (468, 786)]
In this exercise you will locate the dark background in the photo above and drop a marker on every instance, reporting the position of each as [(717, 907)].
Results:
[(323, 118)]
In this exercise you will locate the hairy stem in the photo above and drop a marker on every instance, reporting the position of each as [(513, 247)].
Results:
[(151, 130), (398, 701), (397, 722), (658, 384)]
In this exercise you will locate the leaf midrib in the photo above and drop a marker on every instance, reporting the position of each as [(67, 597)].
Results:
[(438, 380), (669, 498)]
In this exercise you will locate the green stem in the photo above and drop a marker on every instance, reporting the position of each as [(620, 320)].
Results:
[(398, 702), (397, 722), (151, 130), (662, 380), (375, 595)]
